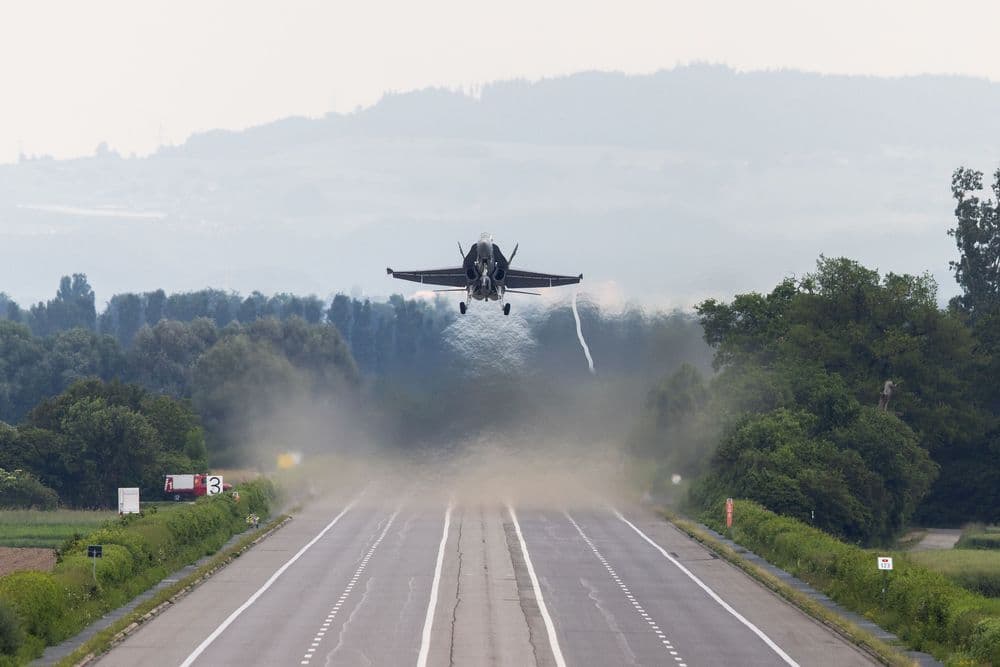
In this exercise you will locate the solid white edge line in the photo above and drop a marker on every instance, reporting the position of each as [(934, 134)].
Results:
[(753, 628), (260, 591), (550, 628), (425, 638)]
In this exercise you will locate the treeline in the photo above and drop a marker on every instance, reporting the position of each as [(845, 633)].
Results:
[(125, 314), (281, 382), (397, 335), (184, 395), (800, 417), (94, 437)]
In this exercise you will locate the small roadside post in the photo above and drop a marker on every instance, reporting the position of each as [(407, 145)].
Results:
[(95, 551), (729, 513), (885, 565)]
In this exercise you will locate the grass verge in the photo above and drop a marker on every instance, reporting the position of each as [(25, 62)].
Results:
[(885, 653), (978, 536), (105, 640), (977, 570)]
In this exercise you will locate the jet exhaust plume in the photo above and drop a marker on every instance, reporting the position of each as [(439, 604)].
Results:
[(579, 334)]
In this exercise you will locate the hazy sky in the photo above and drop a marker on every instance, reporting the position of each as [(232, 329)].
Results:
[(140, 73)]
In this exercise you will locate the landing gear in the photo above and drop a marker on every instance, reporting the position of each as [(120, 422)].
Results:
[(462, 307), (506, 309)]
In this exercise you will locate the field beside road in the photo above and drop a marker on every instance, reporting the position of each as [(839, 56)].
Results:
[(14, 559), (42, 528), (51, 528), (977, 570)]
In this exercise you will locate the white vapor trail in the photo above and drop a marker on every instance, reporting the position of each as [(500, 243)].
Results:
[(579, 334)]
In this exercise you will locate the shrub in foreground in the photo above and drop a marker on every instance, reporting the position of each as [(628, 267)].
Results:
[(11, 634)]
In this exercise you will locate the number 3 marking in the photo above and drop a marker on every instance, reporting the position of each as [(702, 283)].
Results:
[(214, 485)]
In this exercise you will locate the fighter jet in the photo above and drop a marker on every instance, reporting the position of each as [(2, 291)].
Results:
[(485, 275)]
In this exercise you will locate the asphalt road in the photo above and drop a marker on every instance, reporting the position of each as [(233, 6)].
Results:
[(401, 575)]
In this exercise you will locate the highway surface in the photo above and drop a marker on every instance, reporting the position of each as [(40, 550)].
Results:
[(406, 574)]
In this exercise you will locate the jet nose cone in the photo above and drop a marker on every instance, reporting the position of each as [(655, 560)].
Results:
[(484, 249)]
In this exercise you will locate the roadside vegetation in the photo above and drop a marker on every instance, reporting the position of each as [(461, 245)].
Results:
[(976, 570), (978, 536), (923, 607), (38, 608)]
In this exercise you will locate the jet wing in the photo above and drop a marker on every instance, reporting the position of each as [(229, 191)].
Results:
[(450, 277), (517, 279)]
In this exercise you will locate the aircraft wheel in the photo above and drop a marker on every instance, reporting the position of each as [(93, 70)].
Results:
[(462, 307), (506, 309)]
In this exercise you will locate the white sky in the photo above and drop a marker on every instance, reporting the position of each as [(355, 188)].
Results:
[(137, 73)]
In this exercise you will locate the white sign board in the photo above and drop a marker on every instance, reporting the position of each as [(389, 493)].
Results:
[(128, 500), (884, 563), (213, 485)]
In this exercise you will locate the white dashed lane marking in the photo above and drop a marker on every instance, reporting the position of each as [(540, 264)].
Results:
[(712, 594), (660, 635), (346, 592), (267, 584)]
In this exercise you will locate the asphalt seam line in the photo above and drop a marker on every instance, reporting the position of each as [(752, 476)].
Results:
[(712, 594), (667, 645), (550, 628), (425, 638), (260, 591), (318, 637)]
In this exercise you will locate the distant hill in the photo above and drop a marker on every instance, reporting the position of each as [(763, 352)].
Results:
[(663, 188)]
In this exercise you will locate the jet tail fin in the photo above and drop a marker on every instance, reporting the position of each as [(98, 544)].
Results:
[(460, 251)]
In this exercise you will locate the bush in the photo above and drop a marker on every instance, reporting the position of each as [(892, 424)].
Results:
[(923, 607), (21, 490), (985, 641), (36, 599), (11, 634)]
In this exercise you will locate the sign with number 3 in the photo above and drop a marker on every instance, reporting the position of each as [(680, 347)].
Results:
[(213, 485)]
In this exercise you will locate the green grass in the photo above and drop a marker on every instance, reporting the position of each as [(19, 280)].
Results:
[(978, 536), (977, 570), (51, 528), (40, 528)]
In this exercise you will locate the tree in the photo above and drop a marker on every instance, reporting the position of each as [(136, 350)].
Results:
[(339, 315), (23, 377), (977, 236), (97, 436), (825, 345), (72, 307), (162, 358), (236, 384), (862, 482)]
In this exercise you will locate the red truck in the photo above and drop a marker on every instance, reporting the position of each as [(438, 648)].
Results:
[(192, 486)]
